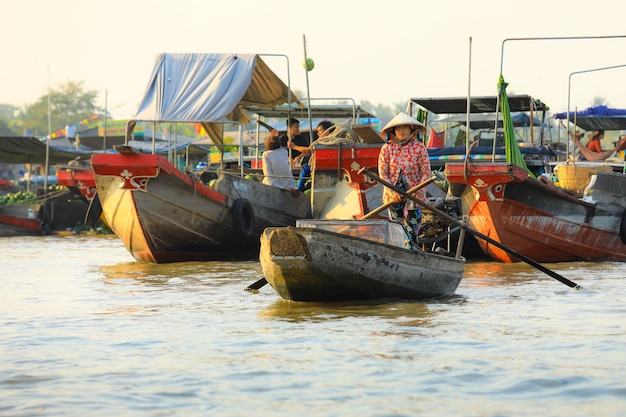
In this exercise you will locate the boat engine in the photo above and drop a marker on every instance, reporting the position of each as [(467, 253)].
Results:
[(432, 226)]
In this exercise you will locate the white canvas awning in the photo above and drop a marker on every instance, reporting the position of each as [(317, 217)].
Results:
[(209, 88)]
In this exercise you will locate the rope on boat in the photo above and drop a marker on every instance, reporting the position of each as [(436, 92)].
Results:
[(342, 134)]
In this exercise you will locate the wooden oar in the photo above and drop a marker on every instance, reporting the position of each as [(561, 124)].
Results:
[(476, 233), (265, 125), (256, 285)]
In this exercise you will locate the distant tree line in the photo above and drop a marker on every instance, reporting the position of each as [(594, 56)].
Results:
[(68, 104), (71, 103)]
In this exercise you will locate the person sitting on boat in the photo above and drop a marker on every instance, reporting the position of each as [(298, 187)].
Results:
[(593, 150), (595, 143), (403, 161), (299, 145), (324, 128), (276, 167), (300, 151)]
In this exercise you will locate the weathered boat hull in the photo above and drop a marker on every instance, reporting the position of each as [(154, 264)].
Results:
[(20, 220), (311, 264), (540, 220), (163, 215), (57, 211)]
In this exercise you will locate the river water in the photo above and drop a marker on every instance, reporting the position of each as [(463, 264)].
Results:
[(87, 331)]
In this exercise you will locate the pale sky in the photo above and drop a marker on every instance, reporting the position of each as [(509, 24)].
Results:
[(384, 51)]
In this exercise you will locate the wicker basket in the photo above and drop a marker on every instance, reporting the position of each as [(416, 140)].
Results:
[(576, 178)]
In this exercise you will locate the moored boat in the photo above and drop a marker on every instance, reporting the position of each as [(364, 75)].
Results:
[(328, 260), (165, 213), (45, 214), (20, 220), (540, 220), (79, 177), (535, 217)]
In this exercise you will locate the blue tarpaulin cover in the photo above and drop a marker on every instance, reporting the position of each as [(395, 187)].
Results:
[(596, 117)]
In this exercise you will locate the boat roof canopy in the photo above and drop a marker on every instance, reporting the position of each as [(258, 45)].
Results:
[(318, 111), (487, 121), (485, 104), (597, 117), (209, 87), (31, 150)]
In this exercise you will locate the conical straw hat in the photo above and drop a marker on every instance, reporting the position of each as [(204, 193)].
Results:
[(402, 119)]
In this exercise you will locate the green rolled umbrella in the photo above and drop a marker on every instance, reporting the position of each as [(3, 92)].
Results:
[(512, 151)]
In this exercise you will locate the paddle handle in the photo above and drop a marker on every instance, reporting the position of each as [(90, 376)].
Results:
[(265, 125)]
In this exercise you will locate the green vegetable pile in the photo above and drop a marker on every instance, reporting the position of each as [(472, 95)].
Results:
[(16, 198)]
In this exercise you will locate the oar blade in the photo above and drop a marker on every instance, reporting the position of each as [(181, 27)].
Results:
[(256, 285)]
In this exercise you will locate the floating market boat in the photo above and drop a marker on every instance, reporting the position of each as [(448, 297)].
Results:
[(538, 219), (329, 260), (165, 213)]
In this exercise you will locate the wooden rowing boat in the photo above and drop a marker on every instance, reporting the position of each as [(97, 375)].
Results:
[(328, 260)]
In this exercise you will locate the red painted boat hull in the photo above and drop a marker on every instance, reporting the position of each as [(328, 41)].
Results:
[(164, 215), (535, 218), (79, 178)]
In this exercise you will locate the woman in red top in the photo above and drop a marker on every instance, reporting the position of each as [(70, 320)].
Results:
[(403, 161), (594, 143)]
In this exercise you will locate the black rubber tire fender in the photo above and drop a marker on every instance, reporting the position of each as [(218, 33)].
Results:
[(243, 218)]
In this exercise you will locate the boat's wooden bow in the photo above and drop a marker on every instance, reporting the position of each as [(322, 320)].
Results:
[(286, 242)]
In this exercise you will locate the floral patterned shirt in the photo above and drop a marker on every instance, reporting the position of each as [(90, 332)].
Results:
[(410, 159)]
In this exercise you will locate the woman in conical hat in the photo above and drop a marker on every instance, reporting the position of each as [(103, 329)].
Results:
[(403, 119), (403, 161)]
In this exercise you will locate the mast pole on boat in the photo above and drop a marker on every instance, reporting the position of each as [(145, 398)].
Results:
[(48, 139), (104, 136), (308, 93), (469, 83)]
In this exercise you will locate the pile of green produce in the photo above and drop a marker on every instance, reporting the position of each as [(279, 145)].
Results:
[(56, 187), (17, 198)]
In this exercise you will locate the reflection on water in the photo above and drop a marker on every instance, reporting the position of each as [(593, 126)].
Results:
[(215, 273), (396, 312), (295, 311), (486, 274)]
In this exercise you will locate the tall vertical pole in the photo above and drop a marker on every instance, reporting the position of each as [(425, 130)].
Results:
[(48, 138), (469, 82), (308, 94), (104, 138)]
